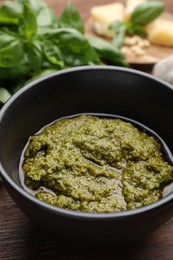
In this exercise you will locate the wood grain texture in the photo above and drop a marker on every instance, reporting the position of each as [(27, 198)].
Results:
[(21, 240)]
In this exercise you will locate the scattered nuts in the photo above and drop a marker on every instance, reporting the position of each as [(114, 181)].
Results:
[(136, 44), (137, 50)]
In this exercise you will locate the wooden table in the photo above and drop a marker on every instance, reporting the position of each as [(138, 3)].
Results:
[(20, 239)]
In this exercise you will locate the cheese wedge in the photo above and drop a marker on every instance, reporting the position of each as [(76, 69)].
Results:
[(160, 32), (130, 6), (102, 16)]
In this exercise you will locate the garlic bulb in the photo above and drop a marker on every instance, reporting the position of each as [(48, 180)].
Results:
[(164, 69)]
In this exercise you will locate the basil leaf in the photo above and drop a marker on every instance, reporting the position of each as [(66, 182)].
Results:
[(70, 17), (34, 54), (53, 54), (11, 50), (4, 95), (72, 59), (120, 33), (9, 13), (73, 45), (16, 72), (46, 17), (5, 38), (28, 23), (107, 51), (146, 12)]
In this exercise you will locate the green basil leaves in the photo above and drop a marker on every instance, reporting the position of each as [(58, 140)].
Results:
[(35, 42)]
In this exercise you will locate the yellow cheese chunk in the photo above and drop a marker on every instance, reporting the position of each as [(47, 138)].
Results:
[(102, 16), (160, 32), (130, 6)]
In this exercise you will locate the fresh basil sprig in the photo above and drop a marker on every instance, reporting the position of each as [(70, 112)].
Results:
[(70, 18), (142, 15), (35, 42)]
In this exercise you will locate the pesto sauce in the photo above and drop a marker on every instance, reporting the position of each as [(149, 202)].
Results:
[(92, 164)]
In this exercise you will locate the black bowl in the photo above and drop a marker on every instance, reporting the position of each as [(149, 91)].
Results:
[(99, 89)]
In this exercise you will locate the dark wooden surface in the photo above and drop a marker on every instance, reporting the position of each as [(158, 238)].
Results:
[(20, 239)]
